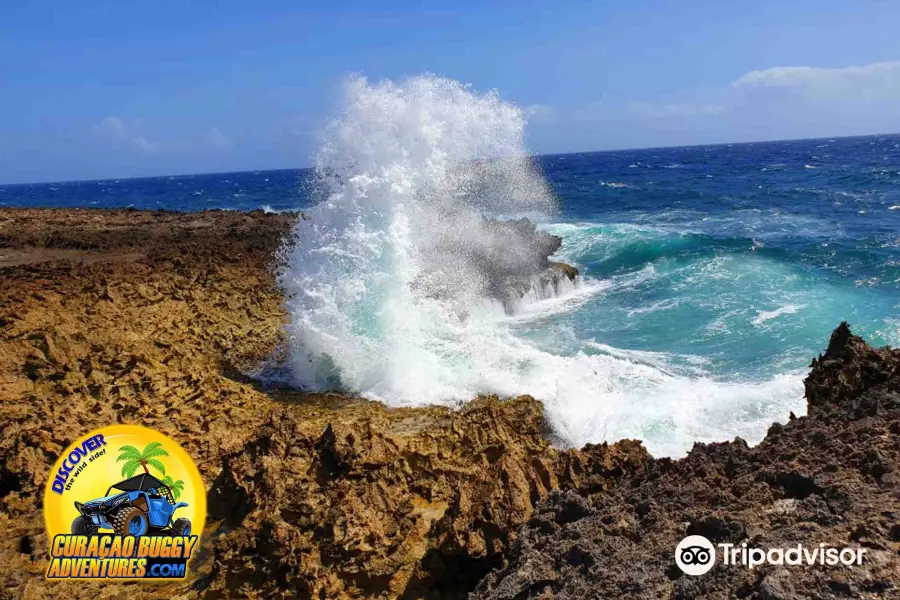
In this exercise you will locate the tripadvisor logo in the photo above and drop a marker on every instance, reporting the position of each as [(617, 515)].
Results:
[(123, 502), (696, 555)]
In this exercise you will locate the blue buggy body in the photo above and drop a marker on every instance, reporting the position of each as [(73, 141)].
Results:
[(142, 504)]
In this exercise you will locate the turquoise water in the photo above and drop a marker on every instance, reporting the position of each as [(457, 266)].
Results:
[(743, 257), (710, 277)]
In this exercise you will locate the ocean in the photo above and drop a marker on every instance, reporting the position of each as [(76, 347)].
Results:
[(710, 275)]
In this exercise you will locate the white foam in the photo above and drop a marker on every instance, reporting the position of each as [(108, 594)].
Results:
[(569, 297), (629, 394), (767, 315), (383, 302), (660, 305), (380, 282)]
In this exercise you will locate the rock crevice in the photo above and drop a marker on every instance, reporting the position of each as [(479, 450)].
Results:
[(830, 477), (330, 496)]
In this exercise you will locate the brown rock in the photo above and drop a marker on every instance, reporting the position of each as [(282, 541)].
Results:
[(567, 270), (147, 320), (148, 317), (827, 478)]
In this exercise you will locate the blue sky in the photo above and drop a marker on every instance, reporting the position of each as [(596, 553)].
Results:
[(94, 89)]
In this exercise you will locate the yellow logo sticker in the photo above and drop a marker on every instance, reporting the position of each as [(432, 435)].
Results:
[(123, 502)]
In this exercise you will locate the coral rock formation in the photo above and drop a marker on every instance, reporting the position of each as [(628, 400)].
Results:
[(141, 317), (148, 317), (392, 503), (830, 477)]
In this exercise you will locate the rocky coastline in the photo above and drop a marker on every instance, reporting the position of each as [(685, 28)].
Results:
[(152, 318)]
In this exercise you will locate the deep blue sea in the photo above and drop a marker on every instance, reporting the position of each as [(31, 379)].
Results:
[(711, 276)]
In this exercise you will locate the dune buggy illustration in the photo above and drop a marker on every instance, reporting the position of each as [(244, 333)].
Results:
[(143, 504)]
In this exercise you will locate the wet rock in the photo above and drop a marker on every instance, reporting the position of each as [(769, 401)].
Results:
[(475, 257), (568, 270), (848, 368), (311, 495), (149, 317), (825, 478)]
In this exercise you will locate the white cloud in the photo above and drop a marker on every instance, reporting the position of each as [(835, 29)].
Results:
[(111, 127), (860, 95), (128, 133), (217, 139), (862, 80), (776, 103), (146, 145), (117, 130)]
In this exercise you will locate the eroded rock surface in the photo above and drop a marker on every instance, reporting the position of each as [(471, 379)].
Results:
[(142, 325), (139, 317), (148, 318), (385, 504), (832, 477)]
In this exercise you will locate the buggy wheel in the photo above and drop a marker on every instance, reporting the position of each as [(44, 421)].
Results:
[(130, 521), (181, 527), (82, 526)]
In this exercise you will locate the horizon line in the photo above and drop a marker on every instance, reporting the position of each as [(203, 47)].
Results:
[(548, 154)]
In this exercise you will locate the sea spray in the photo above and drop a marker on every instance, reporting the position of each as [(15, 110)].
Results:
[(389, 297), (384, 274)]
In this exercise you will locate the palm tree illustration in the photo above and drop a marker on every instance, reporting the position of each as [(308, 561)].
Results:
[(135, 459), (176, 485)]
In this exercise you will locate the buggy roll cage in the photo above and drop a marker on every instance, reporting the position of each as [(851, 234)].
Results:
[(144, 483)]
